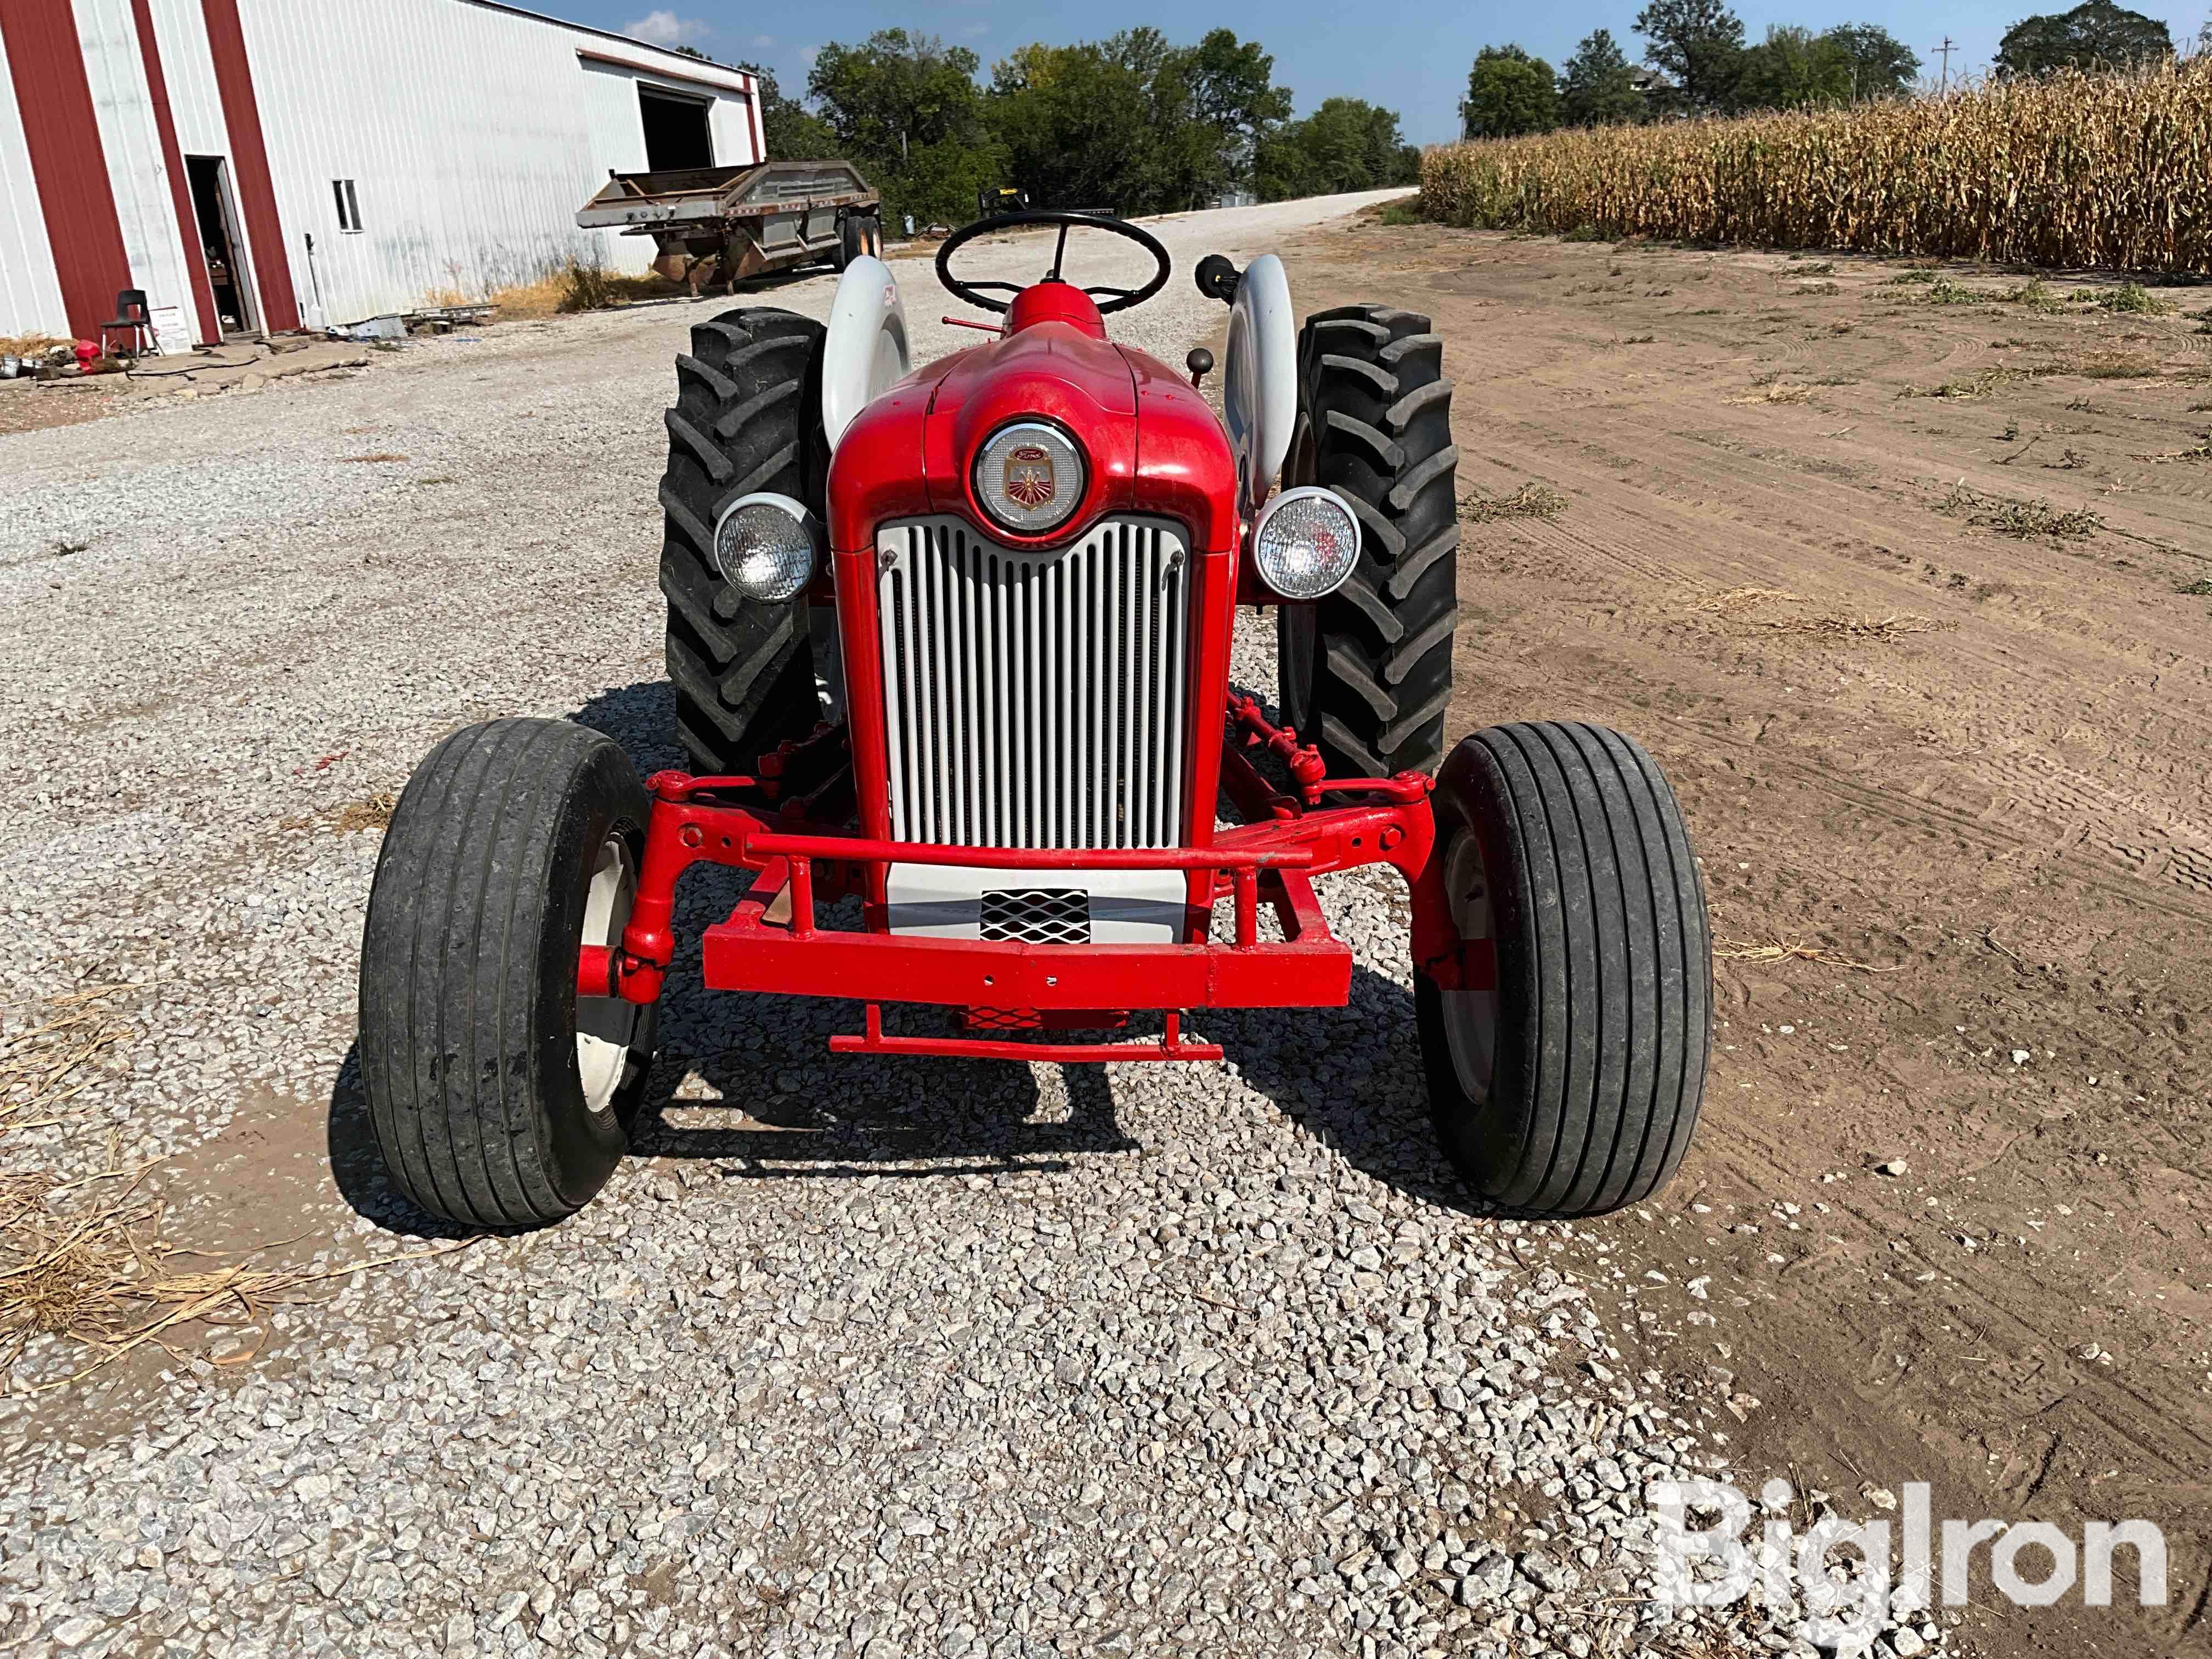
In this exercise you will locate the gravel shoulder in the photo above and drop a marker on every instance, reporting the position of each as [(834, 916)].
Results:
[(855, 1357)]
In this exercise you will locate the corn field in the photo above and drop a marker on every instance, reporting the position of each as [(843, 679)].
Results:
[(2110, 170)]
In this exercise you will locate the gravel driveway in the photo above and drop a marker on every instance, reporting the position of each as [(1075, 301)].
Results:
[(857, 1358)]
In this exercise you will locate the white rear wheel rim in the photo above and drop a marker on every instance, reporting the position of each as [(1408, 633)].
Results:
[(610, 889), (1470, 1018)]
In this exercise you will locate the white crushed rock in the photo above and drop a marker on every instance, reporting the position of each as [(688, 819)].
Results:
[(967, 1359)]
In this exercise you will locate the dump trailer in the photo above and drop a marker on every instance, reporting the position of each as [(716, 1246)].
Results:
[(720, 224)]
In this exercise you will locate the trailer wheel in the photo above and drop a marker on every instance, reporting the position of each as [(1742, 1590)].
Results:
[(500, 1097), (858, 234), (748, 416), (1366, 672), (1566, 1082)]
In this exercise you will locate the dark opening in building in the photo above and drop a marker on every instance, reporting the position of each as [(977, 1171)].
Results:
[(676, 131), (217, 220)]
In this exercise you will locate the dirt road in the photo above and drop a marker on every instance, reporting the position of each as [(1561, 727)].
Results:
[(1976, 763)]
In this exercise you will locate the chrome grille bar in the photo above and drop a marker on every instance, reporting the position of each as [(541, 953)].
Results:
[(1035, 699)]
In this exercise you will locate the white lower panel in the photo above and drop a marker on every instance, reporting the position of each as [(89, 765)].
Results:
[(1127, 907)]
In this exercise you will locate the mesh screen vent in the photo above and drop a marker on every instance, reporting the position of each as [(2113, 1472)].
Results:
[(1045, 915)]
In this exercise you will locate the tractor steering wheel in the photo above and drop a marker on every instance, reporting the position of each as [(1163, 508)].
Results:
[(1109, 299)]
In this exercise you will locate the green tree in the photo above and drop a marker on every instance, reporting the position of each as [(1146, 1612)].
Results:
[(1508, 92), (1347, 143), (1102, 124), (1233, 91), (1882, 65), (1793, 69), (790, 131), (2096, 35), (1699, 43), (1597, 89), (906, 107)]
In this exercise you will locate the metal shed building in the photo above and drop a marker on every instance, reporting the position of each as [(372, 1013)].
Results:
[(265, 165)]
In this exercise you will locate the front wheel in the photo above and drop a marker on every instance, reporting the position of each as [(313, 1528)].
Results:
[(1565, 1072), (500, 1097)]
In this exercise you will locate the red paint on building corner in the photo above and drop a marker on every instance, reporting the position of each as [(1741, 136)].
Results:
[(249, 160), (47, 62), (173, 158)]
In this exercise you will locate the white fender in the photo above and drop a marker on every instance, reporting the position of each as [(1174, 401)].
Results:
[(866, 351), (1260, 386)]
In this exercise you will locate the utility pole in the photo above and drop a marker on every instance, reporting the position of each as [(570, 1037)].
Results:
[(1945, 51)]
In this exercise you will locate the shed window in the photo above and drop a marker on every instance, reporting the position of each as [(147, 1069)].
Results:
[(348, 204)]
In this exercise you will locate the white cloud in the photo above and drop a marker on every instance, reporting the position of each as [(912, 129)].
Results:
[(975, 29), (808, 54), (666, 28), (761, 42)]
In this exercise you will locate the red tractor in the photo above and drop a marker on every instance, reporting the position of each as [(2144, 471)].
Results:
[(955, 643)]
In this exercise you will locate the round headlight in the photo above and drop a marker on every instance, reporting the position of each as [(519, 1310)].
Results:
[(1306, 543), (1028, 476), (766, 546)]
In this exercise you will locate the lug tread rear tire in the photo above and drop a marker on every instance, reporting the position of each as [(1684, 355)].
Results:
[(468, 974), (1605, 972), (1374, 683), (748, 417)]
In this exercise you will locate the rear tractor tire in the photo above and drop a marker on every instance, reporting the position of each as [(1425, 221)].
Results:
[(748, 417), (1566, 1080), (499, 1098), (1366, 672)]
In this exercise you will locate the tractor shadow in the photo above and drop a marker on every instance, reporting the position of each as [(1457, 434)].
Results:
[(748, 1081)]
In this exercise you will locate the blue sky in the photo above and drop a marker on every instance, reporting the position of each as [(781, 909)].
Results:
[(1412, 58)]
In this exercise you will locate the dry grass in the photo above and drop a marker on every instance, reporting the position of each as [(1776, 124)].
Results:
[(2072, 170), (1737, 950), (85, 1260), (576, 286), (374, 813), (30, 346), (2027, 520), (47, 1065), (1744, 606), (2195, 453), (1532, 499), (2113, 366), (1778, 394)]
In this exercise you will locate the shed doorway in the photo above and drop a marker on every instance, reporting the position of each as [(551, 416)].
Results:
[(677, 135), (221, 249)]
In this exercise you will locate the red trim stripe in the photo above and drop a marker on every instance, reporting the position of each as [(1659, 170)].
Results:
[(730, 81), (173, 158), (249, 165), (47, 62)]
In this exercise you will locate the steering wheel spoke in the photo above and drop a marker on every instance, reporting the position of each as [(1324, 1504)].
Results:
[(1111, 298)]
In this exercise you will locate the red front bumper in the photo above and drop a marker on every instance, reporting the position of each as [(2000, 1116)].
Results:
[(772, 940)]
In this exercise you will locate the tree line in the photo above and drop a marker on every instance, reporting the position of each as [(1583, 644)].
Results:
[(1134, 123), (1696, 61)]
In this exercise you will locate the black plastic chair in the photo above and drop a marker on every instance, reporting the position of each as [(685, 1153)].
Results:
[(133, 317)]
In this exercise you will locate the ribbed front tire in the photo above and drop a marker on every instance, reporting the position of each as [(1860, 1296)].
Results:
[(1571, 1086), (1366, 672), (748, 417), (499, 1098)]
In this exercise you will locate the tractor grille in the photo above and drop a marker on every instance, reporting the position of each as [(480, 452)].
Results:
[(1035, 699)]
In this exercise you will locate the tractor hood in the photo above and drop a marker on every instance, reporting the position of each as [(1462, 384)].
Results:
[(1150, 442)]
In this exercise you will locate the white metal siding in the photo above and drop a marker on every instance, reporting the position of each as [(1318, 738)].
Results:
[(30, 294), (188, 68), (145, 207), (472, 136)]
